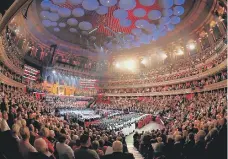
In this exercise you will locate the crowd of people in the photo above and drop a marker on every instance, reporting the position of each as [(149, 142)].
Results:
[(155, 103), (17, 44), (13, 53), (10, 74), (63, 102), (194, 124), (32, 132), (166, 72), (218, 77)]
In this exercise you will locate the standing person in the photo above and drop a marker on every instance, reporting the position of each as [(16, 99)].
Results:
[(84, 152), (42, 148), (64, 151), (24, 146), (118, 152), (95, 147), (45, 133)]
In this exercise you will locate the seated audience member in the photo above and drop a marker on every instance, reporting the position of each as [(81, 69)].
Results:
[(16, 131), (199, 148), (8, 144), (118, 152), (84, 151), (168, 149), (177, 148), (33, 134), (24, 146), (51, 137), (101, 145), (124, 146), (44, 133), (159, 150), (64, 151), (146, 148), (95, 147), (42, 148), (75, 144), (188, 146)]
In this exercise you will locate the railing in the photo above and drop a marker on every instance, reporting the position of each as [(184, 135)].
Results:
[(10, 82), (219, 85), (211, 71), (7, 61)]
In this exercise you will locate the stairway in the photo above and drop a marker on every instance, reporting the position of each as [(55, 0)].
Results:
[(134, 151)]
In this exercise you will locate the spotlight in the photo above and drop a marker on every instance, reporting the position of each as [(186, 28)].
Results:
[(163, 56), (117, 65), (144, 61), (180, 52), (191, 46), (129, 64), (53, 71)]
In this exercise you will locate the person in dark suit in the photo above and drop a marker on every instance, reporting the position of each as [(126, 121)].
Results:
[(118, 152), (199, 148), (188, 146), (212, 144), (222, 139), (178, 147), (124, 145), (168, 149)]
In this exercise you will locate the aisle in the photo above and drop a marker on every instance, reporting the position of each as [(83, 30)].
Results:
[(149, 127), (129, 138)]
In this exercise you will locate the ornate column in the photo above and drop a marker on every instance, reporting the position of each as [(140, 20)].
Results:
[(222, 27), (199, 45), (211, 37)]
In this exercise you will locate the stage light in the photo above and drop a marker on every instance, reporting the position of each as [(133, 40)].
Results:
[(53, 71), (163, 56), (117, 65), (191, 46), (180, 52), (144, 61), (130, 64)]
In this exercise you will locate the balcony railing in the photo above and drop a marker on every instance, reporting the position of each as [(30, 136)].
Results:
[(8, 62), (10, 82), (209, 72), (219, 85)]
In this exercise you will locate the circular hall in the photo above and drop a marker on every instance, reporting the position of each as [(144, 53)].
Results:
[(113, 79)]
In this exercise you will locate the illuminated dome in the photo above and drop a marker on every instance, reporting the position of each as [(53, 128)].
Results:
[(84, 71), (109, 27), (98, 36)]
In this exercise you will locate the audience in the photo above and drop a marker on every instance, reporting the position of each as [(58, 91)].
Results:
[(64, 151), (117, 147), (42, 148), (195, 125), (84, 151), (24, 145)]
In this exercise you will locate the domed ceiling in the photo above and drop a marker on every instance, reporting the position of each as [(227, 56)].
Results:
[(111, 25), (108, 27)]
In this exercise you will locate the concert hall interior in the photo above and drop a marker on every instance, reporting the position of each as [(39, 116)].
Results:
[(113, 79)]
